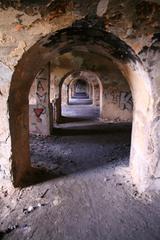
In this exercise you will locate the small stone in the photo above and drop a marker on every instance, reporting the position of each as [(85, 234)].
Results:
[(135, 193), (30, 209), (106, 179), (56, 201), (118, 184), (11, 228), (5, 194), (39, 205)]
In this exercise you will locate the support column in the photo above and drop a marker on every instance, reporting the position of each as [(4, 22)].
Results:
[(67, 94), (96, 95), (41, 113), (90, 91), (58, 109), (72, 91)]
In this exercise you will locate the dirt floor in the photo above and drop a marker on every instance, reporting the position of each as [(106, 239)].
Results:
[(88, 196)]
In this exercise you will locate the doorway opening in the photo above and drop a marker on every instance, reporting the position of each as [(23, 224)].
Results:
[(84, 39), (80, 127), (80, 100)]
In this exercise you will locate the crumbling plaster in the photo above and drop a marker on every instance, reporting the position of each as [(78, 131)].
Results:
[(22, 24), (19, 31)]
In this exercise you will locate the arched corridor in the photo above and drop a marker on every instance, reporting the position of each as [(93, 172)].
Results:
[(81, 103), (121, 61), (79, 126)]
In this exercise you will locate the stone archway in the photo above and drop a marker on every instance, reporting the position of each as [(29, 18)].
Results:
[(84, 38), (76, 74)]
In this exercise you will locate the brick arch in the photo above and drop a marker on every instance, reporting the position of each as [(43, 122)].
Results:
[(82, 37)]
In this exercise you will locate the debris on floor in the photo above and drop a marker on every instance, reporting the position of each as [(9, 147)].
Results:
[(32, 208)]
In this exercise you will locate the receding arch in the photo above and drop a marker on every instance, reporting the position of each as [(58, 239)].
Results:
[(75, 74), (84, 38)]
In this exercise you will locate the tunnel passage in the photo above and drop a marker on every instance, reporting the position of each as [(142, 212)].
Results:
[(80, 87), (85, 38), (79, 93), (79, 127), (79, 101)]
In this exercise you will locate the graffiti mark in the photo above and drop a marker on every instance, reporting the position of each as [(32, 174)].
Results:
[(40, 86), (125, 101), (122, 98), (42, 94), (41, 98), (38, 112)]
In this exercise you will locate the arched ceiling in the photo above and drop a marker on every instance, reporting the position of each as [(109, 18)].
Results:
[(87, 76), (88, 61)]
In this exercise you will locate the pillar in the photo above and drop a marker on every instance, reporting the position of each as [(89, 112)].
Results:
[(41, 123)]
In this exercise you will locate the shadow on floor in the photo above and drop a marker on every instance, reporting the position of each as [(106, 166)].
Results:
[(65, 119), (91, 129), (75, 150), (38, 175), (82, 102)]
